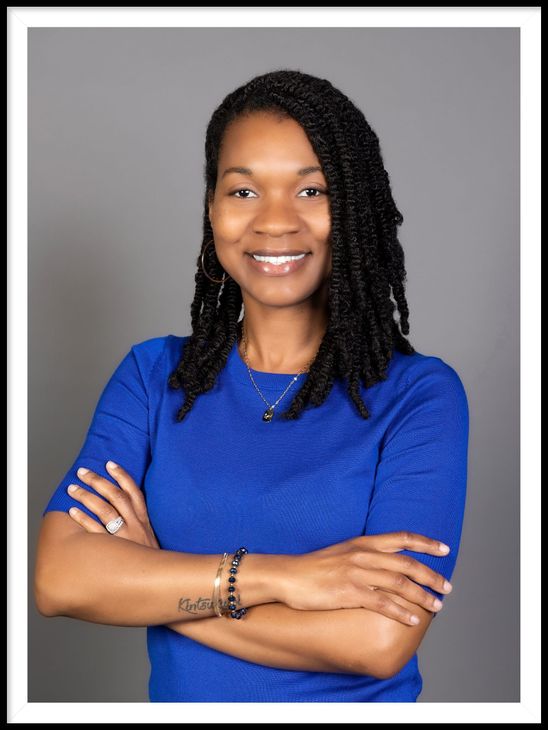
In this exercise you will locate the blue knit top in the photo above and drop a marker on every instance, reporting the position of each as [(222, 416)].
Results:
[(223, 478)]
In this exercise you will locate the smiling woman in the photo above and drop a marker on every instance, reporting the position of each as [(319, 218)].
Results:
[(285, 213), (332, 513)]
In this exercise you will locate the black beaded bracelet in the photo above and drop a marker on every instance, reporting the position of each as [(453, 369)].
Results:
[(234, 612)]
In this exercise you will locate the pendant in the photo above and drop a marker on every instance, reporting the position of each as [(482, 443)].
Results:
[(267, 415)]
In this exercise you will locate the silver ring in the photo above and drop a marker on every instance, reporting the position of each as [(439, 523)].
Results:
[(114, 525)]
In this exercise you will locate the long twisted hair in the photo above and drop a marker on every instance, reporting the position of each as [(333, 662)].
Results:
[(367, 258)]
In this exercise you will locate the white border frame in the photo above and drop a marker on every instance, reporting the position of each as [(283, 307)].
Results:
[(19, 19)]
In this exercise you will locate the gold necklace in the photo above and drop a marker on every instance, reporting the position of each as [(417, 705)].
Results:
[(269, 413)]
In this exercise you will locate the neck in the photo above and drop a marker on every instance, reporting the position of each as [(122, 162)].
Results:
[(282, 343)]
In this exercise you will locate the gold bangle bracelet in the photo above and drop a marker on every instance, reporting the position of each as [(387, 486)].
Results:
[(214, 599), (217, 600)]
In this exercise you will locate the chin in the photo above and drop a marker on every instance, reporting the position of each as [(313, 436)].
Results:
[(279, 296)]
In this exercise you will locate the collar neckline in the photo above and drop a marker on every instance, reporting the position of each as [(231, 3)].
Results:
[(237, 369)]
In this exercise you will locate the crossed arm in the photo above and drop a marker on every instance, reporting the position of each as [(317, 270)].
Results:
[(348, 640), (355, 640)]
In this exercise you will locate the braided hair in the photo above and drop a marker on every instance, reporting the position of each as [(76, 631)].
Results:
[(367, 258)]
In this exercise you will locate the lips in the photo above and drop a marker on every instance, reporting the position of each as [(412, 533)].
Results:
[(269, 269)]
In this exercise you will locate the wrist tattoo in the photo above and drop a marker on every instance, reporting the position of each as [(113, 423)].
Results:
[(202, 604)]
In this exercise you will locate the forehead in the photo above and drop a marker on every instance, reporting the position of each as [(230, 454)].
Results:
[(263, 140)]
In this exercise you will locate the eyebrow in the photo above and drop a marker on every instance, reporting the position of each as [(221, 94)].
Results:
[(247, 171)]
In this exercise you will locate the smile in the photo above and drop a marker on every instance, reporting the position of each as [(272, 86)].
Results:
[(277, 259), (277, 265)]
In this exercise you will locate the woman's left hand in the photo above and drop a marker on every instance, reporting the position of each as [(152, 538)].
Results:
[(127, 502)]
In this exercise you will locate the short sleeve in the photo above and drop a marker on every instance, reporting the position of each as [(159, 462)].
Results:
[(420, 481), (119, 429)]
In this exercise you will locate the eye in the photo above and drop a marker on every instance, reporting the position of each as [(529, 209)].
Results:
[(315, 190), (241, 190)]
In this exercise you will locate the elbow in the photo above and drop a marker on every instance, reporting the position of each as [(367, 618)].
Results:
[(387, 662), (390, 661), (380, 665), (386, 669), (47, 597), (55, 577), (381, 668), (43, 600), (46, 609)]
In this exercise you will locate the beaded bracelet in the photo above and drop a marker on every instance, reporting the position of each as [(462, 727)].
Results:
[(235, 613)]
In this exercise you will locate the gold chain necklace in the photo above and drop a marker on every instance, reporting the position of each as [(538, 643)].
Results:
[(268, 414)]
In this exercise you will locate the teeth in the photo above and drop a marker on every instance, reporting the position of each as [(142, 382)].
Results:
[(278, 259)]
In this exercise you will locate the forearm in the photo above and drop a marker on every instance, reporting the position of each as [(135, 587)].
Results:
[(109, 580), (276, 635)]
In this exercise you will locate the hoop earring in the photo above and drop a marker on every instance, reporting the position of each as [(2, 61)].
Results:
[(217, 281)]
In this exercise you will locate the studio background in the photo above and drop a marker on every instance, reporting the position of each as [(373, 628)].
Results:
[(117, 120)]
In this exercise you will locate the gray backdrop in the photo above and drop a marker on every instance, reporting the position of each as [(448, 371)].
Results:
[(117, 122)]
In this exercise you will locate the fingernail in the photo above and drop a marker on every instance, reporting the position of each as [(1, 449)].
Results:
[(414, 619), (73, 511), (437, 604), (444, 548), (82, 471), (447, 587), (111, 465), (72, 488)]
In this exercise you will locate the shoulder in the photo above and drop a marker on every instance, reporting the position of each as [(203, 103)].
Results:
[(155, 346), (148, 351), (158, 353), (147, 354), (421, 374), (426, 391)]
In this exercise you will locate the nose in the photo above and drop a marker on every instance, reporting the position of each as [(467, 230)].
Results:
[(276, 218)]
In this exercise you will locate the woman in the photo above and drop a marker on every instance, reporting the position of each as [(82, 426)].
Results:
[(340, 502)]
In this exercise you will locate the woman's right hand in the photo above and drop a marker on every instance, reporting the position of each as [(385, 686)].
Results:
[(347, 574)]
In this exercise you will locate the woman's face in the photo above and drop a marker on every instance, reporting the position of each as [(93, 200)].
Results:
[(274, 206)]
